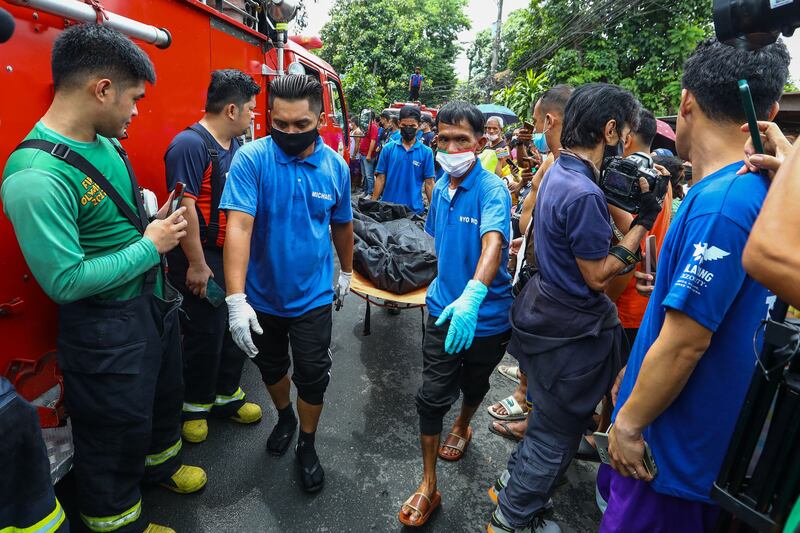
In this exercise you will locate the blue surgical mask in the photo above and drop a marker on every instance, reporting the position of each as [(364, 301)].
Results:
[(540, 142)]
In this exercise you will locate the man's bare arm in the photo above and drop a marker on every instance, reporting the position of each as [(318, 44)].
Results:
[(530, 201), (665, 370), (489, 262), (236, 252), (598, 273), (429, 189), (380, 183), (342, 235)]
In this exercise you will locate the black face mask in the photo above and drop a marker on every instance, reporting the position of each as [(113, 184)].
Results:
[(610, 151), (408, 133), (293, 144)]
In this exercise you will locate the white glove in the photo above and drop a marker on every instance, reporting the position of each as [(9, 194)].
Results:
[(242, 318), (342, 287)]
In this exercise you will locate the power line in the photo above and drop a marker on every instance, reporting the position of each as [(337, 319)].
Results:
[(581, 25)]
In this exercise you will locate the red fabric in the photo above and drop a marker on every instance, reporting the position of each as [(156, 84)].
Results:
[(371, 135), (665, 130), (203, 204), (631, 305)]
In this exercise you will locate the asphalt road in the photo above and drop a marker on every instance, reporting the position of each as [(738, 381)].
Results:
[(368, 443)]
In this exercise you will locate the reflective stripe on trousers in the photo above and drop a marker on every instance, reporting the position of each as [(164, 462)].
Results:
[(189, 407), (111, 523), (162, 457), (47, 524), (225, 400)]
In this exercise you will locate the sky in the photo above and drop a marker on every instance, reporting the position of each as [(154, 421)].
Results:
[(483, 13)]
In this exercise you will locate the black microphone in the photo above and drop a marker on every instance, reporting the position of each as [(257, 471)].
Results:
[(6, 25)]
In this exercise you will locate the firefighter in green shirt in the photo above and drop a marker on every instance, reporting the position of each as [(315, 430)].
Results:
[(79, 218)]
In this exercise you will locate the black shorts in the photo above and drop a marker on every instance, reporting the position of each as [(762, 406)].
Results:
[(310, 338), (444, 374)]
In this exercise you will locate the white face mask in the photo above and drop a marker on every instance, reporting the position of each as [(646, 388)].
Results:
[(493, 137), (456, 164)]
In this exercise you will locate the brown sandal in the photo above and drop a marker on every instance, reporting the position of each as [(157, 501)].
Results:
[(421, 504), (457, 443)]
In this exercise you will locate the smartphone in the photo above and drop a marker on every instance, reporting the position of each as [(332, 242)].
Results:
[(528, 126), (214, 293), (177, 197), (650, 257), (601, 443)]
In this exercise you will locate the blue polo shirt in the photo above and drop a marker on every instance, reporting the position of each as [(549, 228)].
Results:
[(481, 204), (700, 274), (294, 201), (405, 171), (571, 220)]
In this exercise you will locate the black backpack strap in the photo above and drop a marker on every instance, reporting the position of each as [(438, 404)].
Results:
[(69, 156), (212, 230), (138, 218)]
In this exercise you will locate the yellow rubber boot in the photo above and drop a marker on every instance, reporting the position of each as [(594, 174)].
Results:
[(155, 528), (195, 430), (248, 413), (186, 480)]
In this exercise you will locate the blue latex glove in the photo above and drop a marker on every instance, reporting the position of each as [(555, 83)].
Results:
[(463, 316)]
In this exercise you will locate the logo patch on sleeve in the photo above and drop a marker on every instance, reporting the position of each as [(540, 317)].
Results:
[(696, 276)]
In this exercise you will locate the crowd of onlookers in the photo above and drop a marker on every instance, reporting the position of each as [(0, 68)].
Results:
[(645, 369), (632, 322)]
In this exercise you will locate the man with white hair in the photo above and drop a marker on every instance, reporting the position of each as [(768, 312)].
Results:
[(496, 150)]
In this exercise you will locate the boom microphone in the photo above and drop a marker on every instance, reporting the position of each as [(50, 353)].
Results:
[(6, 25)]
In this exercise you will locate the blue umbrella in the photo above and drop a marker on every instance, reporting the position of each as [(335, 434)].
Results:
[(494, 110)]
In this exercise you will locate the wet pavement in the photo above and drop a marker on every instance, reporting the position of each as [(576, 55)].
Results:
[(368, 443)]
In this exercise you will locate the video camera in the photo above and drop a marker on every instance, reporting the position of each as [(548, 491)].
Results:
[(620, 181), (753, 24)]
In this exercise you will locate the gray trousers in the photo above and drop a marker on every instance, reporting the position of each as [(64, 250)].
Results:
[(566, 385)]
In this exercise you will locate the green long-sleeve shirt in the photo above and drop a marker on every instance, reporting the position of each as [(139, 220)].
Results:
[(76, 241)]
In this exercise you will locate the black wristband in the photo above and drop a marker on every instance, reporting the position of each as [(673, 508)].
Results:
[(626, 256)]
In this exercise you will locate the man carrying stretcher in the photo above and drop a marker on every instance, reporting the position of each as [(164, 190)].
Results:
[(468, 327)]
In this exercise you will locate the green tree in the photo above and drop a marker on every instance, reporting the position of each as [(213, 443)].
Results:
[(640, 45), (362, 89), (523, 93), (389, 38)]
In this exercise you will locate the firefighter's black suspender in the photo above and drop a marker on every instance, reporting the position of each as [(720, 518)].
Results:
[(212, 230)]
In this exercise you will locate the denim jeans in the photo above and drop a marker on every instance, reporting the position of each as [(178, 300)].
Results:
[(368, 173)]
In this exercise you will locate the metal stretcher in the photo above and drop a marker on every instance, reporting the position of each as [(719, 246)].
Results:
[(364, 289)]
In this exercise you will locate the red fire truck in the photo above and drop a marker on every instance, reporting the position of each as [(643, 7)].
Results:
[(186, 39)]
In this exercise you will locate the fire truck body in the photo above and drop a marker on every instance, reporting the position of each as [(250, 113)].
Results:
[(203, 39)]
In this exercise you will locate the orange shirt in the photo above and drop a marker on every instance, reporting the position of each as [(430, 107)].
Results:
[(203, 204), (630, 304)]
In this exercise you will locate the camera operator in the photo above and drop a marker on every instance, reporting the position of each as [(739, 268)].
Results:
[(548, 116), (776, 265), (566, 333), (693, 359)]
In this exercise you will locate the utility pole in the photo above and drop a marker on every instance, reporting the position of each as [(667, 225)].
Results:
[(469, 80), (496, 47)]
